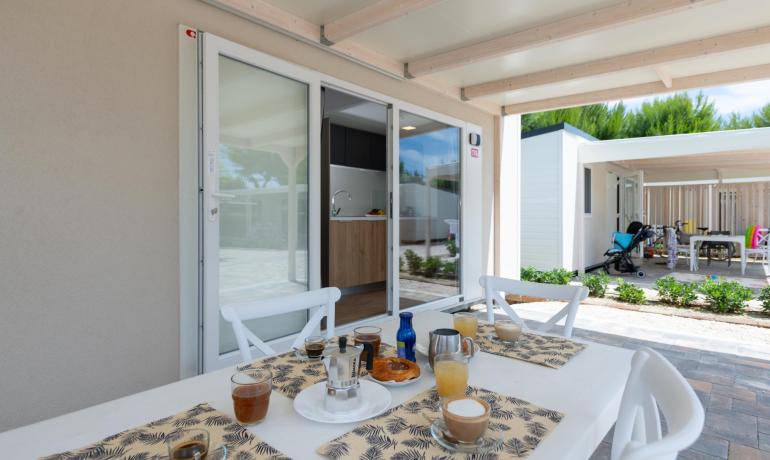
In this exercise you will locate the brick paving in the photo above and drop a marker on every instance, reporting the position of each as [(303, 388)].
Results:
[(734, 390)]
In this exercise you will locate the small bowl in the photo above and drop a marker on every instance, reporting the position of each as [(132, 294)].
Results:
[(466, 429), (507, 330)]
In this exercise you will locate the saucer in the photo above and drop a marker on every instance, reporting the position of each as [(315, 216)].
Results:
[(309, 403), (486, 443), (301, 355), (220, 453)]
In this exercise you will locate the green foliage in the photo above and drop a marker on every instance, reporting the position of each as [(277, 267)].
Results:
[(431, 266), (596, 284), (555, 276), (764, 297), (451, 247), (400, 264), (725, 296), (676, 293), (676, 114), (630, 293), (413, 262), (449, 269)]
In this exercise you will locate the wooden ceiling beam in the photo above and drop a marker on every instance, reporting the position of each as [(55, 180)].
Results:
[(371, 16), (651, 57), (582, 24), (744, 74)]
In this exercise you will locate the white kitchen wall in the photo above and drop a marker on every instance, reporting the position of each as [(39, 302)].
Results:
[(368, 189)]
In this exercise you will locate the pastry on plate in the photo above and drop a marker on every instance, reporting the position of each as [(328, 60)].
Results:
[(394, 369)]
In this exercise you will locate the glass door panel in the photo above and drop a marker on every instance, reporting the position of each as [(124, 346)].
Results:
[(257, 227), (429, 210)]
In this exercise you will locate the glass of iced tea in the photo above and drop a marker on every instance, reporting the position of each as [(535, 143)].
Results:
[(251, 394), (368, 334), (467, 324), (451, 370), (191, 444)]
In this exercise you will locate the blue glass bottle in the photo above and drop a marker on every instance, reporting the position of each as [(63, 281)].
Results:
[(406, 337)]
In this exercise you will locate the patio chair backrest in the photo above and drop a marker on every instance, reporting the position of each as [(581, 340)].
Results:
[(321, 302), (573, 295), (654, 386)]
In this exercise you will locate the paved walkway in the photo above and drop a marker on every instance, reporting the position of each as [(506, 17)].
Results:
[(727, 365)]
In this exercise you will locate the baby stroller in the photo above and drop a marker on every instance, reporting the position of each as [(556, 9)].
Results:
[(619, 256)]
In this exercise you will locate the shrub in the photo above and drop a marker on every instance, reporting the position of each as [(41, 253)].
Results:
[(449, 269), (764, 297), (630, 293), (530, 274), (725, 296), (413, 262), (451, 247), (596, 284), (431, 266), (676, 293), (400, 264)]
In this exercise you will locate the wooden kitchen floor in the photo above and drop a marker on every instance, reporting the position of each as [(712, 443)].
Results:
[(355, 307)]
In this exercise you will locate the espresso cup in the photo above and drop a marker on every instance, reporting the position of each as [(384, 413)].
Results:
[(191, 444), (466, 417), (507, 330)]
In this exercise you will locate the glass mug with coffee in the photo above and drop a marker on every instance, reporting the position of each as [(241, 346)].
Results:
[(251, 394), (314, 346), (191, 444), (370, 335)]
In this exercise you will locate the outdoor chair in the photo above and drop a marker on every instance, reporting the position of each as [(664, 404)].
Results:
[(654, 386), (322, 300), (762, 246), (494, 287)]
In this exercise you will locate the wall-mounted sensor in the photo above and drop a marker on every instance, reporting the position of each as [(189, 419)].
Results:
[(474, 139)]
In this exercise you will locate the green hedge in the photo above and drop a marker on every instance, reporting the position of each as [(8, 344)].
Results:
[(630, 293), (596, 284), (725, 296), (764, 297), (675, 292), (555, 276)]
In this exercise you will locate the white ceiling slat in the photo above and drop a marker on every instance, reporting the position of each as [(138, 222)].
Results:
[(370, 16), (664, 75), (744, 74), (563, 29), (651, 57)]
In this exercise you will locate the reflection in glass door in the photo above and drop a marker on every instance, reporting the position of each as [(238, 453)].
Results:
[(256, 209), (429, 210)]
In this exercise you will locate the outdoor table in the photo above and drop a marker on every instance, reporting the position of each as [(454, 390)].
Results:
[(587, 390), (739, 240)]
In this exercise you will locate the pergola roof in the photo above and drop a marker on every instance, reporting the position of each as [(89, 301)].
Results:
[(531, 55)]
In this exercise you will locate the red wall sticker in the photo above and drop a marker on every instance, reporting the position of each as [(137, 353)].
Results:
[(474, 153), (192, 33)]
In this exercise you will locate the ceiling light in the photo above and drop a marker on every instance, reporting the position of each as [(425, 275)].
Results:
[(408, 128)]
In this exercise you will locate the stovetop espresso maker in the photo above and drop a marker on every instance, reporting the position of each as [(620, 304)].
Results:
[(343, 390)]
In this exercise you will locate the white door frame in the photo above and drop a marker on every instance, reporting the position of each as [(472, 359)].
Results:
[(212, 47)]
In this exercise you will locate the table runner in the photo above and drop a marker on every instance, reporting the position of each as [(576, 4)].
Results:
[(148, 441), (545, 350), (403, 431), (291, 374)]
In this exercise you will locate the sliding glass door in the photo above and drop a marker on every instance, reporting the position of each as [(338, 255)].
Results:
[(256, 133), (429, 210)]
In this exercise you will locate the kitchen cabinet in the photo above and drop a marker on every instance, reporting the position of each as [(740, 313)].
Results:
[(357, 149), (357, 252)]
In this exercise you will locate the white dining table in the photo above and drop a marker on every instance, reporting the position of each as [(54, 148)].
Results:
[(587, 390), (735, 239)]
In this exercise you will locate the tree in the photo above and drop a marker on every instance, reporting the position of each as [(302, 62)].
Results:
[(599, 120), (678, 114), (761, 117)]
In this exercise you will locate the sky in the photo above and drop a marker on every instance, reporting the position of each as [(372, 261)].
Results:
[(430, 149), (744, 98)]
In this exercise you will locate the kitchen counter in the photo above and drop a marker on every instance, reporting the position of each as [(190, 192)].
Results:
[(357, 251), (347, 218)]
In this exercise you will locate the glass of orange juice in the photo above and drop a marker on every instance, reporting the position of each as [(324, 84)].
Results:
[(451, 371), (467, 324)]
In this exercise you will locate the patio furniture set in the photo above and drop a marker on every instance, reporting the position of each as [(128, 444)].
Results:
[(546, 396)]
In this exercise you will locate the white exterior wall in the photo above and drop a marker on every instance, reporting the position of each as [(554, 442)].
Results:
[(572, 202), (541, 201)]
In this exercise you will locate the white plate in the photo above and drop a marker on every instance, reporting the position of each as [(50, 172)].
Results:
[(393, 383), (309, 403)]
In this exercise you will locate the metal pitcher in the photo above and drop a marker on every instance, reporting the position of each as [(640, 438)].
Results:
[(448, 341)]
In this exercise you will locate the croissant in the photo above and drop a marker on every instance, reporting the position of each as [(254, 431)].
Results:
[(394, 369)]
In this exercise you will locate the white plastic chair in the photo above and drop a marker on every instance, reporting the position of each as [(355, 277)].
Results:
[(573, 295), (762, 246), (322, 300), (654, 386)]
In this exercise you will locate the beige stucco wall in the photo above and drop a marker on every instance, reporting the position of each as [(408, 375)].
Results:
[(88, 191)]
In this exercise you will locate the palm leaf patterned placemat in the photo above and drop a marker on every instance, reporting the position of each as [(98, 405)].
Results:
[(148, 442), (403, 432), (291, 374), (544, 350)]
